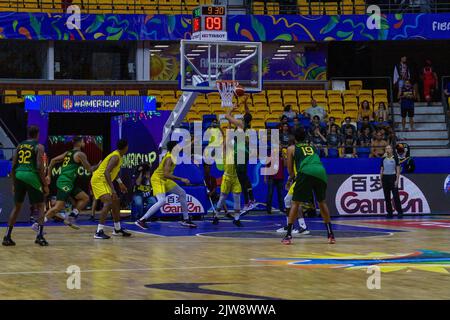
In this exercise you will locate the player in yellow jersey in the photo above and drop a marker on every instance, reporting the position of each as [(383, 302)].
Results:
[(230, 183), (162, 182), (103, 189)]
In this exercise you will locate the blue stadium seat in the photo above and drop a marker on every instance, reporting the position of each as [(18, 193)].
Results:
[(333, 153)]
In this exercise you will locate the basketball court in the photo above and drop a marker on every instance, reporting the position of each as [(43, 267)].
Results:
[(226, 262)]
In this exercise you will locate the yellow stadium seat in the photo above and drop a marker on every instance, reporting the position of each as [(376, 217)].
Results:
[(350, 99), (303, 7), (334, 95), (290, 100), (62, 93), (335, 106), (79, 93), (379, 92), (155, 93), (167, 93), (132, 93), (258, 124), (277, 107), (303, 106), (289, 93), (258, 8), (12, 97), (273, 93), (262, 109), (260, 99), (273, 8), (352, 114), (349, 93), (178, 93), (360, 7), (321, 101), (45, 92), (365, 95), (118, 93), (316, 8), (304, 94), (272, 118), (347, 7), (351, 107), (331, 8), (97, 93), (318, 94), (202, 108), (355, 85), (27, 93), (275, 99)]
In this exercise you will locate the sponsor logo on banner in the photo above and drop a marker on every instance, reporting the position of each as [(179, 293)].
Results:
[(173, 205), (363, 194), (67, 104), (447, 185)]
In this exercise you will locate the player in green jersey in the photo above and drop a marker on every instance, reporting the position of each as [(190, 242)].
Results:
[(311, 180), (72, 161), (28, 178)]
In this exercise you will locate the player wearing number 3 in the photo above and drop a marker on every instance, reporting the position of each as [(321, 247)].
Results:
[(311, 180), (28, 177)]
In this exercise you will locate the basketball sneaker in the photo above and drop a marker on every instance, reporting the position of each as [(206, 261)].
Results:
[(7, 242), (141, 224), (300, 230), (101, 235), (35, 227), (215, 221), (237, 223), (122, 232), (40, 240), (282, 229), (188, 223), (287, 240), (331, 239), (251, 205), (294, 231)]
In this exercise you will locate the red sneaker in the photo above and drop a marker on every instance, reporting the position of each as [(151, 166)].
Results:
[(287, 240), (331, 239)]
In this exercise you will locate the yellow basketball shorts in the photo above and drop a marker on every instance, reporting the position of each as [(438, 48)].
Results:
[(100, 187), (291, 189), (230, 184), (161, 186)]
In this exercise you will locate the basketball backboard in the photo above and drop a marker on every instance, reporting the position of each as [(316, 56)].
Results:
[(205, 62)]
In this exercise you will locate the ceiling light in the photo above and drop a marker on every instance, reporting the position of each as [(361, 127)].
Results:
[(193, 54), (202, 46), (280, 55), (283, 50), (287, 46), (197, 50), (155, 50), (246, 50), (161, 46), (278, 58), (241, 54)]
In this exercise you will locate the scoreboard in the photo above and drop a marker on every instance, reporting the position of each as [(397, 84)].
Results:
[(209, 23)]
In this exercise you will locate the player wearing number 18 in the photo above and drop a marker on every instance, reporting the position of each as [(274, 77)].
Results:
[(28, 178), (311, 180)]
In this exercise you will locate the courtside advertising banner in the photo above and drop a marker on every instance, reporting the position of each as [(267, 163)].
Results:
[(360, 194)]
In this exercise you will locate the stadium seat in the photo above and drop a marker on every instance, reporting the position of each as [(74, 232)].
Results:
[(262, 109), (45, 92), (304, 95), (303, 7), (273, 93), (360, 7), (316, 8), (318, 94), (258, 124), (335, 106), (178, 93), (352, 114), (118, 93), (275, 99), (331, 8), (334, 95), (270, 117), (79, 93), (11, 96), (290, 100), (62, 93), (259, 99), (155, 93), (278, 107), (321, 101), (202, 108), (349, 93), (273, 8), (355, 85), (132, 93), (289, 93), (350, 99), (380, 95), (97, 93), (27, 93), (347, 7), (258, 7), (167, 93), (351, 107)]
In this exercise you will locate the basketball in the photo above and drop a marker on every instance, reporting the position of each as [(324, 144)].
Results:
[(239, 91)]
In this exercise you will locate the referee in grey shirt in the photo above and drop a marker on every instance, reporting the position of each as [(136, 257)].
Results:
[(390, 176)]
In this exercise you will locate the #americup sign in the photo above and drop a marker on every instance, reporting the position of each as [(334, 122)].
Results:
[(102, 104), (363, 194)]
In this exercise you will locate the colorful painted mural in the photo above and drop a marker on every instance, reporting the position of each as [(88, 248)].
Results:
[(51, 26)]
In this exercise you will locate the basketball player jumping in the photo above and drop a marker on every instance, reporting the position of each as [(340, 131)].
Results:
[(71, 161), (162, 181), (311, 180), (103, 189), (241, 168), (28, 176)]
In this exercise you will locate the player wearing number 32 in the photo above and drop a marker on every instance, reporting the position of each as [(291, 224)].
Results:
[(28, 176), (311, 180), (71, 161)]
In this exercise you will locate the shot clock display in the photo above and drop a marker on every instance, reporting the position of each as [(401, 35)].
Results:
[(209, 22)]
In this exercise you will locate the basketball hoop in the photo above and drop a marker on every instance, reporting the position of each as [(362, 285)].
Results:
[(226, 89)]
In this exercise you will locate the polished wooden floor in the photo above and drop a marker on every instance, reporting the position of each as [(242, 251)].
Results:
[(224, 262)]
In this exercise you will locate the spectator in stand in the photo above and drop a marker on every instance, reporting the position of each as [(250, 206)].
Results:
[(349, 146), (365, 111), (65, 4), (382, 113), (288, 112), (332, 122), (277, 181), (407, 95), (366, 123), (142, 191), (283, 120), (402, 73), (378, 145), (333, 142), (318, 140), (315, 110), (447, 93), (315, 123), (430, 81), (285, 135), (348, 124), (365, 137), (296, 124)]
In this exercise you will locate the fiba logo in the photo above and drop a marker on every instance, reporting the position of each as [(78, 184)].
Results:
[(67, 104), (447, 185)]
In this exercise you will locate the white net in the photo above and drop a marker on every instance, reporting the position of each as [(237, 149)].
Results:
[(226, 90)]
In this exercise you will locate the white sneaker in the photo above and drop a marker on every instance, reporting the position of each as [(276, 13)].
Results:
[(282, 230), (301, 231)]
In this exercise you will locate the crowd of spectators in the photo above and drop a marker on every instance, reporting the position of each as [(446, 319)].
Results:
[(365, 136)]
